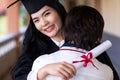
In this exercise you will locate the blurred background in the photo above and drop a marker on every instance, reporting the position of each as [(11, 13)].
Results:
[(14, 21)]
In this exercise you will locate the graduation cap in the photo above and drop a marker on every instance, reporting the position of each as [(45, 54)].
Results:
[(33, 6)]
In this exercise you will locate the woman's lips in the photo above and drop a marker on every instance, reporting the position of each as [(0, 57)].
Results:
[(50, 28)]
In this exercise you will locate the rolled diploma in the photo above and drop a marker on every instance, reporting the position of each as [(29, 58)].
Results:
[(95, 52), (100, 48)]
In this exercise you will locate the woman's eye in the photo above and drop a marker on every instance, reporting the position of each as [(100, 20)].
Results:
[(35, 21), (46, 14)]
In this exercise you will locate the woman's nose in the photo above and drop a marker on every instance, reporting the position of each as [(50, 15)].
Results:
[(43, 22)]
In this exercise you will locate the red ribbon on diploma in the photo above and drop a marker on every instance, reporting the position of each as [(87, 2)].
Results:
[(86, 59)]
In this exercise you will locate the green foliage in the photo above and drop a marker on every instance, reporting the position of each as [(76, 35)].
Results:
[(3, 25)]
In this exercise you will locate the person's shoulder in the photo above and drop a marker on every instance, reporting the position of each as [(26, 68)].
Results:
[(42, 58), (40, 62)]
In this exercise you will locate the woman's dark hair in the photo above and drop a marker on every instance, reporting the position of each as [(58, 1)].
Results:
[(61, 11), (83, 27)]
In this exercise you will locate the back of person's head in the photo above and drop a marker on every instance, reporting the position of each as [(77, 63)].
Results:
[(84, 26)]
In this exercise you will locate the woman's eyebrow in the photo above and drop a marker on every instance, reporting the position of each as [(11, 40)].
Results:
[(45, 11), (35, 18), (42, 14)]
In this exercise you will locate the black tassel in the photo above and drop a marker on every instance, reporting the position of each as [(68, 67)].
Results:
[(12, 3)]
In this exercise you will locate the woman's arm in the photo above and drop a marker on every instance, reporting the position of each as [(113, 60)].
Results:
[(61, 69), (44, 66)]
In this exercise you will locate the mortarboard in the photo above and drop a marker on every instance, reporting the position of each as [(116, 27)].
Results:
[(33, 6)]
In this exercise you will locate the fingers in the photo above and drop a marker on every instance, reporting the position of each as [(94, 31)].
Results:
[(70, 68), (66, 71), (63, 75)]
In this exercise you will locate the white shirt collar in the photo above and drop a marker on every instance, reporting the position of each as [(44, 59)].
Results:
[(59, 44)]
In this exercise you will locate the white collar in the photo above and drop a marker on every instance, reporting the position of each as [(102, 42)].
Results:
[(59, 44)]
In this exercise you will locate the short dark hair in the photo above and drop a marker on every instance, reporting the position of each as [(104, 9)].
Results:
[(83, 26)]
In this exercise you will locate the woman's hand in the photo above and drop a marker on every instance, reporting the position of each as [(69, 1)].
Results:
[(61, 69)]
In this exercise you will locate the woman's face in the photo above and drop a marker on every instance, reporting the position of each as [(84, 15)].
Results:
[(47, 21)]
